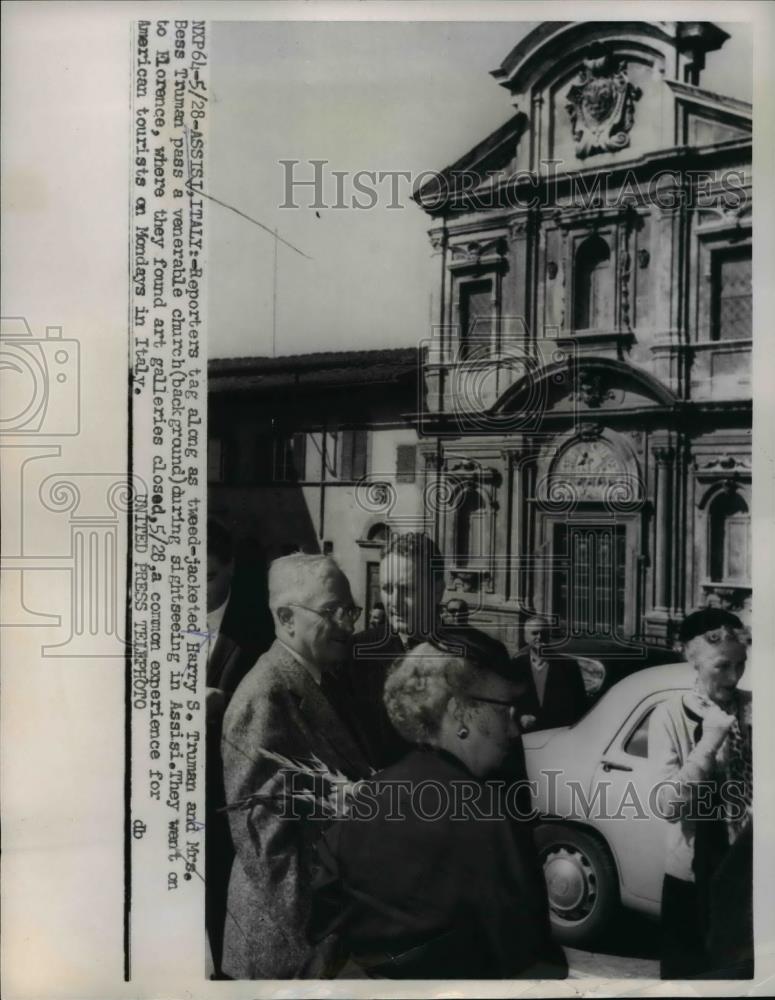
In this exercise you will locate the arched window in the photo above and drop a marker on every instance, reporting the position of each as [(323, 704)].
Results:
[(729, 543), (470, 533), (476, 316), (593, 287), (378, 533)]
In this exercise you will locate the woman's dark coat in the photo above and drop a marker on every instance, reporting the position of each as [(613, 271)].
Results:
[(456, 896)]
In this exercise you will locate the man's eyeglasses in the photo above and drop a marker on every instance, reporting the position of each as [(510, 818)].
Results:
[(351, 613)]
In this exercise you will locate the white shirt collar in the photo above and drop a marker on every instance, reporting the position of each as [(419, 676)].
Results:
[(312, 668)]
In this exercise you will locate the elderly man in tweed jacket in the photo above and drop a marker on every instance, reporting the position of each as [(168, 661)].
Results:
[(281, 707)]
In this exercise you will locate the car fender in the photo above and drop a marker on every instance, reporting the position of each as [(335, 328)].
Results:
[(556, 761), (556, 758)]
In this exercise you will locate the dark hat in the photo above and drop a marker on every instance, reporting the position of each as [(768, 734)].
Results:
[(478, 647), (706, 620)]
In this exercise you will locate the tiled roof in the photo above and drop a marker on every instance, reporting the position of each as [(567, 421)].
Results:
[(324, 369)]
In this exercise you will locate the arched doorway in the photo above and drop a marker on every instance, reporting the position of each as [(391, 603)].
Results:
[(589, 499)]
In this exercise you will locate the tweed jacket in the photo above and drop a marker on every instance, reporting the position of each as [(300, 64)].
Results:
[(243, 636), (278, 707)]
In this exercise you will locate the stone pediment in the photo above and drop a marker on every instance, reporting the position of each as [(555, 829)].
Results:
[(602, 93), (527, 67), (597, 94), (494, 157), (593, 386)]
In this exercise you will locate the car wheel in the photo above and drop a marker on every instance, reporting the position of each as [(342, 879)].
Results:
[(581, 882)]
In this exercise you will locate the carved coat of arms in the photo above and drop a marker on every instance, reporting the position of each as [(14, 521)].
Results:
[(601, 104)]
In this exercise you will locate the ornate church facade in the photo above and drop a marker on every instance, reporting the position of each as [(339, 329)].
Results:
[(585, 436)]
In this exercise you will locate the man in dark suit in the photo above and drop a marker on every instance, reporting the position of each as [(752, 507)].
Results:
[(456, 612), (412, 585), (553, 688), (239, 625), (239, 629), (377, 618), (281, 707)]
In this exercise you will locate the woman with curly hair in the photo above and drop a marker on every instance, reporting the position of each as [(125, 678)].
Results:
[(430, 877)]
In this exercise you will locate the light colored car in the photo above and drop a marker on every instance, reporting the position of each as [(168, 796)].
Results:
[(600, 858)]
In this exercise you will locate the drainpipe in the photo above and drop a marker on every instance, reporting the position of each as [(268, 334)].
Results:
[(324, 464)]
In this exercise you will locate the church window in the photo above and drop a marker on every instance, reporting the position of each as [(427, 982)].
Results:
[(593, 285), (470, 529), (731, 277), (406, 462), (476, 314), (730, 539)]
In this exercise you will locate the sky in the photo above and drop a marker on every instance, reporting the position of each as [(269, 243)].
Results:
[(411, 96)]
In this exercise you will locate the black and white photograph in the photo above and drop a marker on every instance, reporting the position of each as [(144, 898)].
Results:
[(386, 473), (479, 467)]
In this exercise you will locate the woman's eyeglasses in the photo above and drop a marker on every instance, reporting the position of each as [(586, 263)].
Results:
[(350, 613), (511, 705), (723, 634)]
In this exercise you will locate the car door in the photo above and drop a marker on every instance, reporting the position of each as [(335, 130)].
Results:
[(635, 835)]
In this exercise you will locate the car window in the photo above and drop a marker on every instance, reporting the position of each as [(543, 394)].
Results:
[(637, 743), (593, 674)]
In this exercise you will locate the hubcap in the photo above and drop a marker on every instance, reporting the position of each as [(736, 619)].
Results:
[(570, 883)]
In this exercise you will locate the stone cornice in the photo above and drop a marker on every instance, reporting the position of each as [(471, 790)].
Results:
[(531, 192), (681, 414)]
